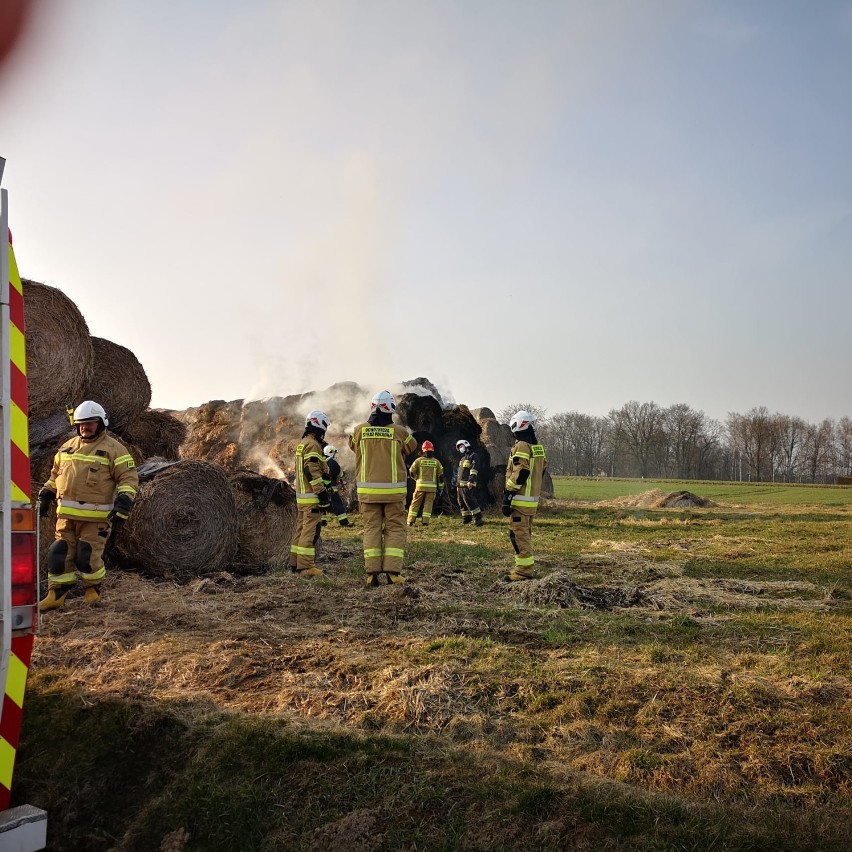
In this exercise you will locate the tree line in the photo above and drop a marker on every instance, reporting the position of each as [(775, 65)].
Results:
[(644, 439)]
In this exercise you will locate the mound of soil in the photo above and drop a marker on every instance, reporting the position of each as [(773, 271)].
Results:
[(681, 500)]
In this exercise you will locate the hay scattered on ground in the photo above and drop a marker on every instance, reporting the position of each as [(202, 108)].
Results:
[(59, 350)]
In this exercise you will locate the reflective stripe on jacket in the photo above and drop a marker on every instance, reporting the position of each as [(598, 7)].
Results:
[(529, 457), (380, 472), (468, 468), (428, 473), (311, 469), (87, 476)]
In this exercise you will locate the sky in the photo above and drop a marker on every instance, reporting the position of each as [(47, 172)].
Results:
[(569, 204)]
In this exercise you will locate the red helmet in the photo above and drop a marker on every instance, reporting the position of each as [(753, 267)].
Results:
[(428, 447)]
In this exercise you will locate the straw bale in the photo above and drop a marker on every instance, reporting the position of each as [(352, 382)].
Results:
[(156, 432), (184, 522), (266, 509), (213, 432), (681, 500), (59, 350), (118, 382)]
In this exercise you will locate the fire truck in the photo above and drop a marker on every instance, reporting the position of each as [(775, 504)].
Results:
[(24, 827)]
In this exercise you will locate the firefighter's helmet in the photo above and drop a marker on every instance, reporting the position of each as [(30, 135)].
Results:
[(383, 401), (462, 446), (318, 419), (521, 420), (428, 447), (330, 451), (88, 410)]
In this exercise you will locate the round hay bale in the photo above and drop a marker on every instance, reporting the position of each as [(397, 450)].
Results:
[(118, 382), (266, 510), (59, 350), (184, 523), (157, 433)]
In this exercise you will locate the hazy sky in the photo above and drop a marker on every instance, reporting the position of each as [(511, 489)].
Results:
[(573, 204)]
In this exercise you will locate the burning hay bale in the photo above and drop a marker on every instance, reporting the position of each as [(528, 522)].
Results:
[(157, 433), (118, 382), (59, 350), (213, 432), (266, 510), (184, 522)]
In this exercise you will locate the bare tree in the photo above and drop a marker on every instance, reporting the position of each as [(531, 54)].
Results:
[(637, 426), (540, 414), (817, 450), (790, 433), (751, 435)]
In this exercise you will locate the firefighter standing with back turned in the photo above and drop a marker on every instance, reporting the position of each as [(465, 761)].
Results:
[(312, 497), (428, 474), (380, 448), (527, 463), (466, 482), (94, 482), (334, 484)]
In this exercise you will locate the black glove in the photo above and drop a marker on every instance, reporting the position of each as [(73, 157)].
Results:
[(121, 510), (506, 508), (45, 498), (324, 500)]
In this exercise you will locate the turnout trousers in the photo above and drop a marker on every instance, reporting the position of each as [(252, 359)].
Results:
[(422, 500), (520, 534), (467, 502), (303, 550), (79, 547), (384, 536)]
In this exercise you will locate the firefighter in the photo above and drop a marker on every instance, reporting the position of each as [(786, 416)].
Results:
[(312, 496), (428, 474), (335, 485), (466, 482), (380, 448), (94, 482), (527, 463)]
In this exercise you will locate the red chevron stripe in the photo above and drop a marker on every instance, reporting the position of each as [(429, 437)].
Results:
[(18, 388), (16, 307), (21, 474)]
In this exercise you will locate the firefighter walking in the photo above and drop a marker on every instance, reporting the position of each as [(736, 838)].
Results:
[(527, 463), (94, 483), (467, 479), (312, 496), (335, 485), (380, 448), (428, 475)]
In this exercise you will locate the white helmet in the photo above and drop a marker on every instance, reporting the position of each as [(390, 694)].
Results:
[(318, 419), (330, 451), (89, 410), (521, 420), (383, 401), (462, 445)]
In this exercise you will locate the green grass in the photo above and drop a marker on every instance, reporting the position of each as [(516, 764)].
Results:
[(590, 489)]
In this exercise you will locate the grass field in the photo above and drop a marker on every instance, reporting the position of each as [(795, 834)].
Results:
[(583, 488), (677, 679)]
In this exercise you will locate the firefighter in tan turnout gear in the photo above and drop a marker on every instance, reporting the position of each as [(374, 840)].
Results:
[(428, 474), (467, 478), (94, 482), (312, 496), (527, 463), (380, 448)]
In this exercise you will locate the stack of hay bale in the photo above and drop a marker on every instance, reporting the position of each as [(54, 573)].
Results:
[(190, 518)]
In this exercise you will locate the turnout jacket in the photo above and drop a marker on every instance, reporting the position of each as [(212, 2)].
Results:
[(335, 476), (428, 473), (89, 475), (525, 490), (311, 470), (380, 472), (468, 469)]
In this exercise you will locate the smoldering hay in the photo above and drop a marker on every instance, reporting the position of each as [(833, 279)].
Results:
[(184, 522), (266, 510)]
